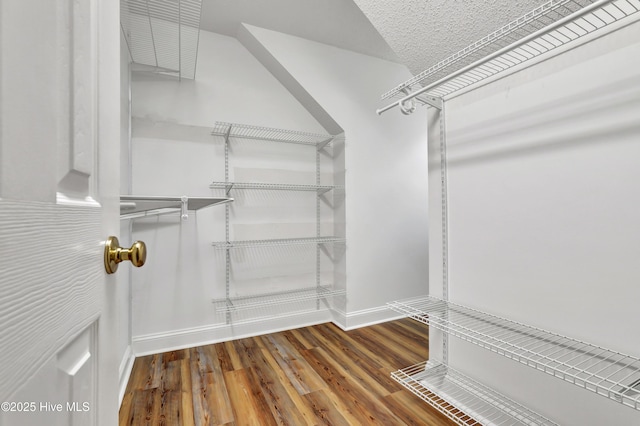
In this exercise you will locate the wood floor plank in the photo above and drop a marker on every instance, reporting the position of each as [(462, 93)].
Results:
[(294, 341), (234, 359), (224, 359), (406, 406), (319, 375), (186, 398), (146, 408), (210, 397), (300, 404), (352, 361), (326, 411), (401, 337), (298, 371), (300, 335), (281, 405), (250, 408), (371, 340), (353, 392), (125, 409)]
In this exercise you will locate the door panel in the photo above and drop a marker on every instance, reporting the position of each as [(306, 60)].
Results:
[(62, 391), (59, 185)]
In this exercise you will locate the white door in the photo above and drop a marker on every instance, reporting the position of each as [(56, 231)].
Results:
[(59, 180)]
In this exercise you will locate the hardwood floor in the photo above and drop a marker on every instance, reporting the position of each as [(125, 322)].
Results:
[(316, 375)]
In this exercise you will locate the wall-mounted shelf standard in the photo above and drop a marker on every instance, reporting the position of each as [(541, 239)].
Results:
[(228, 186), (278, 242), (134, 206), (275, 299), (608, 373), (548, 27), (162, 35), (318, 143), (462, 399), (267, 134)]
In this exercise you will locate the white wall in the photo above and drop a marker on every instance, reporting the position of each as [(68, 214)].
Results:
[(386, 170), (230, 86), (174, 154), (543, 171)]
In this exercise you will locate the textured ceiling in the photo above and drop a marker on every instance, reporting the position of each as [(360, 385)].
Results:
[(423, 32), (417, 33), (337, 23)]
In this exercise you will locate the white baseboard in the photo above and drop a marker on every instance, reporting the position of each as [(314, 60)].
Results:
[(366, 317), (197, 336), (126, 365), (205, 335)]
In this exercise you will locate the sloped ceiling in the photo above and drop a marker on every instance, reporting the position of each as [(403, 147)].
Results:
[(338, 23), (417, 33), (423, 32)]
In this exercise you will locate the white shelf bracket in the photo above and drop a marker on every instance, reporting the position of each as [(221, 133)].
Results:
[(431, 101), (324, 143), (184, 207), (227, 134)]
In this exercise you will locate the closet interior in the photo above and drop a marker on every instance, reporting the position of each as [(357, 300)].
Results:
[(491, 197)]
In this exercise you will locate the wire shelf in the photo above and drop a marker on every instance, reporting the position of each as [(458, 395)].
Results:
[(278, 242), (603, 371), (227, 186), (162, 35), (462, 399), (261, 301), (244, 131), (554, 24)]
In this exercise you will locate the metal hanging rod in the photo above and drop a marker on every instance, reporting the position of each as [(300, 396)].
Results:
[(571, 19)]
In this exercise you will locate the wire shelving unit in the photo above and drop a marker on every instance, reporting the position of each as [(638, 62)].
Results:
[(554, 27), (608, 373), (228, 186), (135, 206), (268, 134), (462, 399), (278, 242), (548, 27), (162, 35), (275, 299), (231, 132)]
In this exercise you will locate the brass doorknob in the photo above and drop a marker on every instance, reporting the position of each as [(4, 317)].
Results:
[(114, 254)]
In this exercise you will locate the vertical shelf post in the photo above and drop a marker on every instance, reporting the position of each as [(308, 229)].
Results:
[(445, 221), (227, 213), (318, 227)]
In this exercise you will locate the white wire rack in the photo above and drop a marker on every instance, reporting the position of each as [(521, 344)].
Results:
[(320, 189), (162, 35), (275, 299), (603, 371), (244, 131), (134, 206), (554, 24), (278, 242), (462, 399)]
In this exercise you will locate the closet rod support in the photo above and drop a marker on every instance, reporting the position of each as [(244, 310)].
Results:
[(431, 101)]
